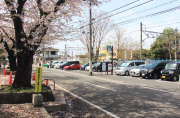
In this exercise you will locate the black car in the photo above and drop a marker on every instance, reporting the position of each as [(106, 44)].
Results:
[(171, 71), (68, 63), (153, 70), (82, 67), (98, 66)]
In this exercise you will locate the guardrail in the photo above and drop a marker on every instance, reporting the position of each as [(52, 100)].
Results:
[(49, 79)]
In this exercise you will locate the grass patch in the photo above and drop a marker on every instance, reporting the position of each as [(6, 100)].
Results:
[(8, 89)]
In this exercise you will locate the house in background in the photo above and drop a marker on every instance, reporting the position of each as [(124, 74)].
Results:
[(46, 54)]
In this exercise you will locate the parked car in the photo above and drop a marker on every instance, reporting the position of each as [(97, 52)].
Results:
[(72, 67), (53, 63), (153, 69), (171, 71), (136, 71), (68, 63), (87, 68), (85, 65), (127, 66), (57, 64), (98, 66)]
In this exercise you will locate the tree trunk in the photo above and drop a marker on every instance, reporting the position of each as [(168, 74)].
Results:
[(24, 69), (12, 60), (97, 53)]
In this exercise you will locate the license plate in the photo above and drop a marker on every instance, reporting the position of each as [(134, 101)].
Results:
[(143, 74), (163, 77)]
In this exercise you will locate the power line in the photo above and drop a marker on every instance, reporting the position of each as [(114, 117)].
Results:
[(162, 25), (147, 9), (118, 12), (150, 15), (124, 10), (119, 8)]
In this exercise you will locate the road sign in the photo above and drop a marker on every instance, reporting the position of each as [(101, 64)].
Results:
[(38, 79)]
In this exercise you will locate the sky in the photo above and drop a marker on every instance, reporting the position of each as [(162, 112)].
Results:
[(155, 23)]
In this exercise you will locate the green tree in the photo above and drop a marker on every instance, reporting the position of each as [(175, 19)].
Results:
[(164, 46), (146, 54)]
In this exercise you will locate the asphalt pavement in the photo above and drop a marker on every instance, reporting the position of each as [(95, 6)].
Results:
[(121, 96)]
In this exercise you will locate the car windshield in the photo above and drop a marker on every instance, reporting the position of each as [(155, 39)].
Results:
[(151, 65), (171, 66), (98, 63), (124, 64), (86, 64), (64, 63), (140, 66)]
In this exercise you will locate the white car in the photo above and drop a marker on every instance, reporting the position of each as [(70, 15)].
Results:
[(87, 68), (126, 67), (56, 66), (136, 71)]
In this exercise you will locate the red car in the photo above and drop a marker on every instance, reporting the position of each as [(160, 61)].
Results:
[(72, 67)]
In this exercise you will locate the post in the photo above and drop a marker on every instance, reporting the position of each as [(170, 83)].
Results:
[(65, 51), (43, 55), (175, 45), (90, 42), (112, 60), (140, 40)]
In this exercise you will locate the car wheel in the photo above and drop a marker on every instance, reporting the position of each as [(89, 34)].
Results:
[(174, 78), (155, 76), (69, 68), (143, 77), (127, 73)]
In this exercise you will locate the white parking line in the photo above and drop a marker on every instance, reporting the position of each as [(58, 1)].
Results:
[(99, 86), (107, 112), (122, 82)]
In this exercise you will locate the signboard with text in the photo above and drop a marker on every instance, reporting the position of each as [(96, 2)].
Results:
[(109, 67), (108, 48), (38, 79), (103, 66)]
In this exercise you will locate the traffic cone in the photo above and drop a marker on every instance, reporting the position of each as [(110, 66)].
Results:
[(4, 73), (47, 82), (10, 78), (34, 76)]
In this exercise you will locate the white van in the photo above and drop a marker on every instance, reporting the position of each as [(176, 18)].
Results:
[(126, 67)]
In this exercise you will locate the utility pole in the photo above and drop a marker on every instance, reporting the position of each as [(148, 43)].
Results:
[(112, 60), (72, 54), (175, 45), (140, 40), (43, 55), (65, 52), (90, 42)]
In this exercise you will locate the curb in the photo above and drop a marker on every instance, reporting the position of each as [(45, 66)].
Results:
[(43, 110)]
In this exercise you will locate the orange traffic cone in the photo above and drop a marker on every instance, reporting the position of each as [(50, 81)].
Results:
[(4, 73), (10, 78), (34, 76), (47, 82)]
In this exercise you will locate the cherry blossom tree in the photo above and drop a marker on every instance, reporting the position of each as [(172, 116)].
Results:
[(32, 22)]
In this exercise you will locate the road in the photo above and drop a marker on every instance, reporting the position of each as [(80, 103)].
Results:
[(121, 96)]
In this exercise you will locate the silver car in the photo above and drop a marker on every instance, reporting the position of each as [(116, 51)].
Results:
[(126, 67), (136, 71)]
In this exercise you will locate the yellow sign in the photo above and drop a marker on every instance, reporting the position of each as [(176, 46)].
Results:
[(38, 79)]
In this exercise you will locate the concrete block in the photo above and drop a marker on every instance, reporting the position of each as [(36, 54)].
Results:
[(37, 100)]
